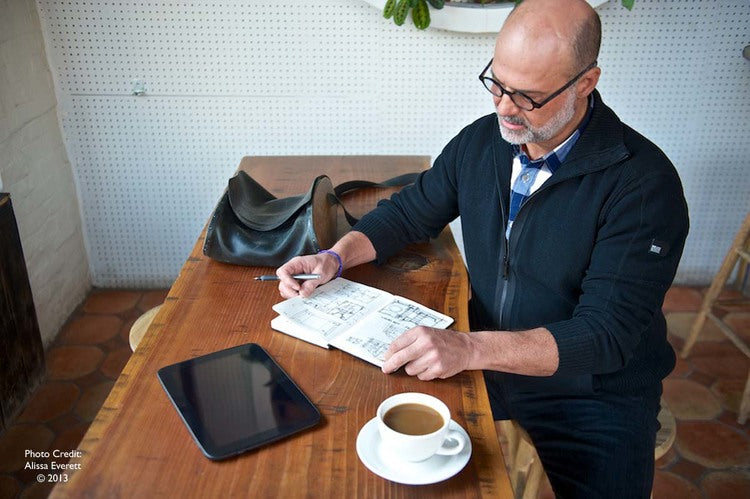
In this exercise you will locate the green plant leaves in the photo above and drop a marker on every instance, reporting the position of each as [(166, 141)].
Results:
[(390, 6), (420, 10), (402, 10), (420, 15)]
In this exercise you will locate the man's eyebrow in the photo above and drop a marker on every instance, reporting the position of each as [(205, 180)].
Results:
[(529, 93)]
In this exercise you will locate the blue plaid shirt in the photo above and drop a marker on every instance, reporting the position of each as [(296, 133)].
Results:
[(528, 175)]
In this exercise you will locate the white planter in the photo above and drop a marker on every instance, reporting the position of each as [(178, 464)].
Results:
[(469, 17)]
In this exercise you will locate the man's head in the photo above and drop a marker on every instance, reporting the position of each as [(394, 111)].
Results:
[(542, 46)]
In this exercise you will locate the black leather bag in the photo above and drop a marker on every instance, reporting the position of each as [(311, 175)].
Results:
[(250, 226)]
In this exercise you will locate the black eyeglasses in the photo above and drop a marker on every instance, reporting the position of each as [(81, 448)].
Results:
[(520, 99)]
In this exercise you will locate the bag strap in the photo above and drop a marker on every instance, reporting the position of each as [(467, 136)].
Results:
[(344, 187)]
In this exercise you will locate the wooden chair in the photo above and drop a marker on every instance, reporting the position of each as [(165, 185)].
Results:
[(140, 326), (526, 471), (738, 252)]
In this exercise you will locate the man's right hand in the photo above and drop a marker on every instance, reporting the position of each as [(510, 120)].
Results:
[(324, 264), (354, 248)]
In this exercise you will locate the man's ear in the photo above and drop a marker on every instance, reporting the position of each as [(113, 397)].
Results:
[(588, 82)]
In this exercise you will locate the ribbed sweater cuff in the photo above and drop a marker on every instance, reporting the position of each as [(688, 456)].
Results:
[(380, 235), (574, 345)]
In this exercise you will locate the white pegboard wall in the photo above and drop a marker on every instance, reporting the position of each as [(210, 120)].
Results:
[(674, 71), (224, 79), (228, 79)]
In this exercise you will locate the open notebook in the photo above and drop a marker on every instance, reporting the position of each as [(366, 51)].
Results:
[(353, 317)]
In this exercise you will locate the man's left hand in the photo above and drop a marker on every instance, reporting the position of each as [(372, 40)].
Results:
[(429, 353)]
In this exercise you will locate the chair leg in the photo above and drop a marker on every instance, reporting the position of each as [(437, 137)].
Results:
[(534, 480), (528, 471), (511, 435), (717, 285)]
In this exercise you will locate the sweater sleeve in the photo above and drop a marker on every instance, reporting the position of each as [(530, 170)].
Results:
[(418, 212), (642, 230)]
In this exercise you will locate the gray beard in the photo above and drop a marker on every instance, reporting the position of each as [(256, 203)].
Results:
[(543, 133)]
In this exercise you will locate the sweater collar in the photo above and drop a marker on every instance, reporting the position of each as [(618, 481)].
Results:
[(600, 145)]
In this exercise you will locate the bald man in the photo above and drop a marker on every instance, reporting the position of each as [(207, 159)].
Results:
[(573, 226)]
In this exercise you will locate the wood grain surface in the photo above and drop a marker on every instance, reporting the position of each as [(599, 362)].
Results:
[(138, 446)]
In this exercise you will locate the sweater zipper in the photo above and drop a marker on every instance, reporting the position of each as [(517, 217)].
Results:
[(506, 268), (506, 257)]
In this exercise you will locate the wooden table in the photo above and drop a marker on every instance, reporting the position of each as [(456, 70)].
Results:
[(138, 447)]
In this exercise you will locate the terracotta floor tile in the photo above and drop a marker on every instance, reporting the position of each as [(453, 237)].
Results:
[(110, 301), (151, 299), (729, 418), (676, 343), (115, 361), (670, 486), (9, 486), (701, 378), (125, 330), (91, 379), (92, 399), (679, 324), (62, 423), (740, 323), (726, 484), (723, 367), (682, 299), (18, 439), (728, 293), (681, 369), (667, 459), (51, 400), (714, 349), (689, 400), (37, 491), (113, 344), (70, 362), (729, 393), (69, 439), (740, 300), (91, 329), (690, 471), (712, 444)]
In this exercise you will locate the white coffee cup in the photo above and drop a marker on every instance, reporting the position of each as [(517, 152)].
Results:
[(415, 448)]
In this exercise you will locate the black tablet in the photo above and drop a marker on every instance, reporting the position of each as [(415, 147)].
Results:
[(237, 399)]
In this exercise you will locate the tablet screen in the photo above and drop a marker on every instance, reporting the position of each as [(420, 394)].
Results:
[(236, 400)]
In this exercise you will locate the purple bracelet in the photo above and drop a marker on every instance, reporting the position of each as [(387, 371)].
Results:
[(341, 264)]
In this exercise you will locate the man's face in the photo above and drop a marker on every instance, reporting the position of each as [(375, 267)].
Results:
[(536, 68), (518, 129)]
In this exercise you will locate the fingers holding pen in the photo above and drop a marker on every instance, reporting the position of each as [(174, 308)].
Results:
[(289, 286)]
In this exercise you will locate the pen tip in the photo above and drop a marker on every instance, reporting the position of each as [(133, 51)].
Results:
[(256, 278)]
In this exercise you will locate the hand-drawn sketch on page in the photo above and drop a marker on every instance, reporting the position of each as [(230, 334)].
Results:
[(334, 307), (369, 339), (353, 317)]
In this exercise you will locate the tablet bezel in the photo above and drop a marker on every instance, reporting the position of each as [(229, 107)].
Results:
[(188, 414)]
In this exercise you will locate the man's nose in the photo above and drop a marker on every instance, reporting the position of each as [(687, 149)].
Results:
[(505, 105)]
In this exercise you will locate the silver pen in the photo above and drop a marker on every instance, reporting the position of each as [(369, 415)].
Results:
[(299, 277)]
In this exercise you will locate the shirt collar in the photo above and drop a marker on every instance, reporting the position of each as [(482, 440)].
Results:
[(556, 156)]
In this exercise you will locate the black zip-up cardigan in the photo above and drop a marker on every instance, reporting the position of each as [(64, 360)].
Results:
[(590, 256)]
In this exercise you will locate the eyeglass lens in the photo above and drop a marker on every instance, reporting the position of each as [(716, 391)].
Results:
[(519, 100)]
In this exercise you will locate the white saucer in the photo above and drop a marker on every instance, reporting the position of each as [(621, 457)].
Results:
[(432, 470)]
